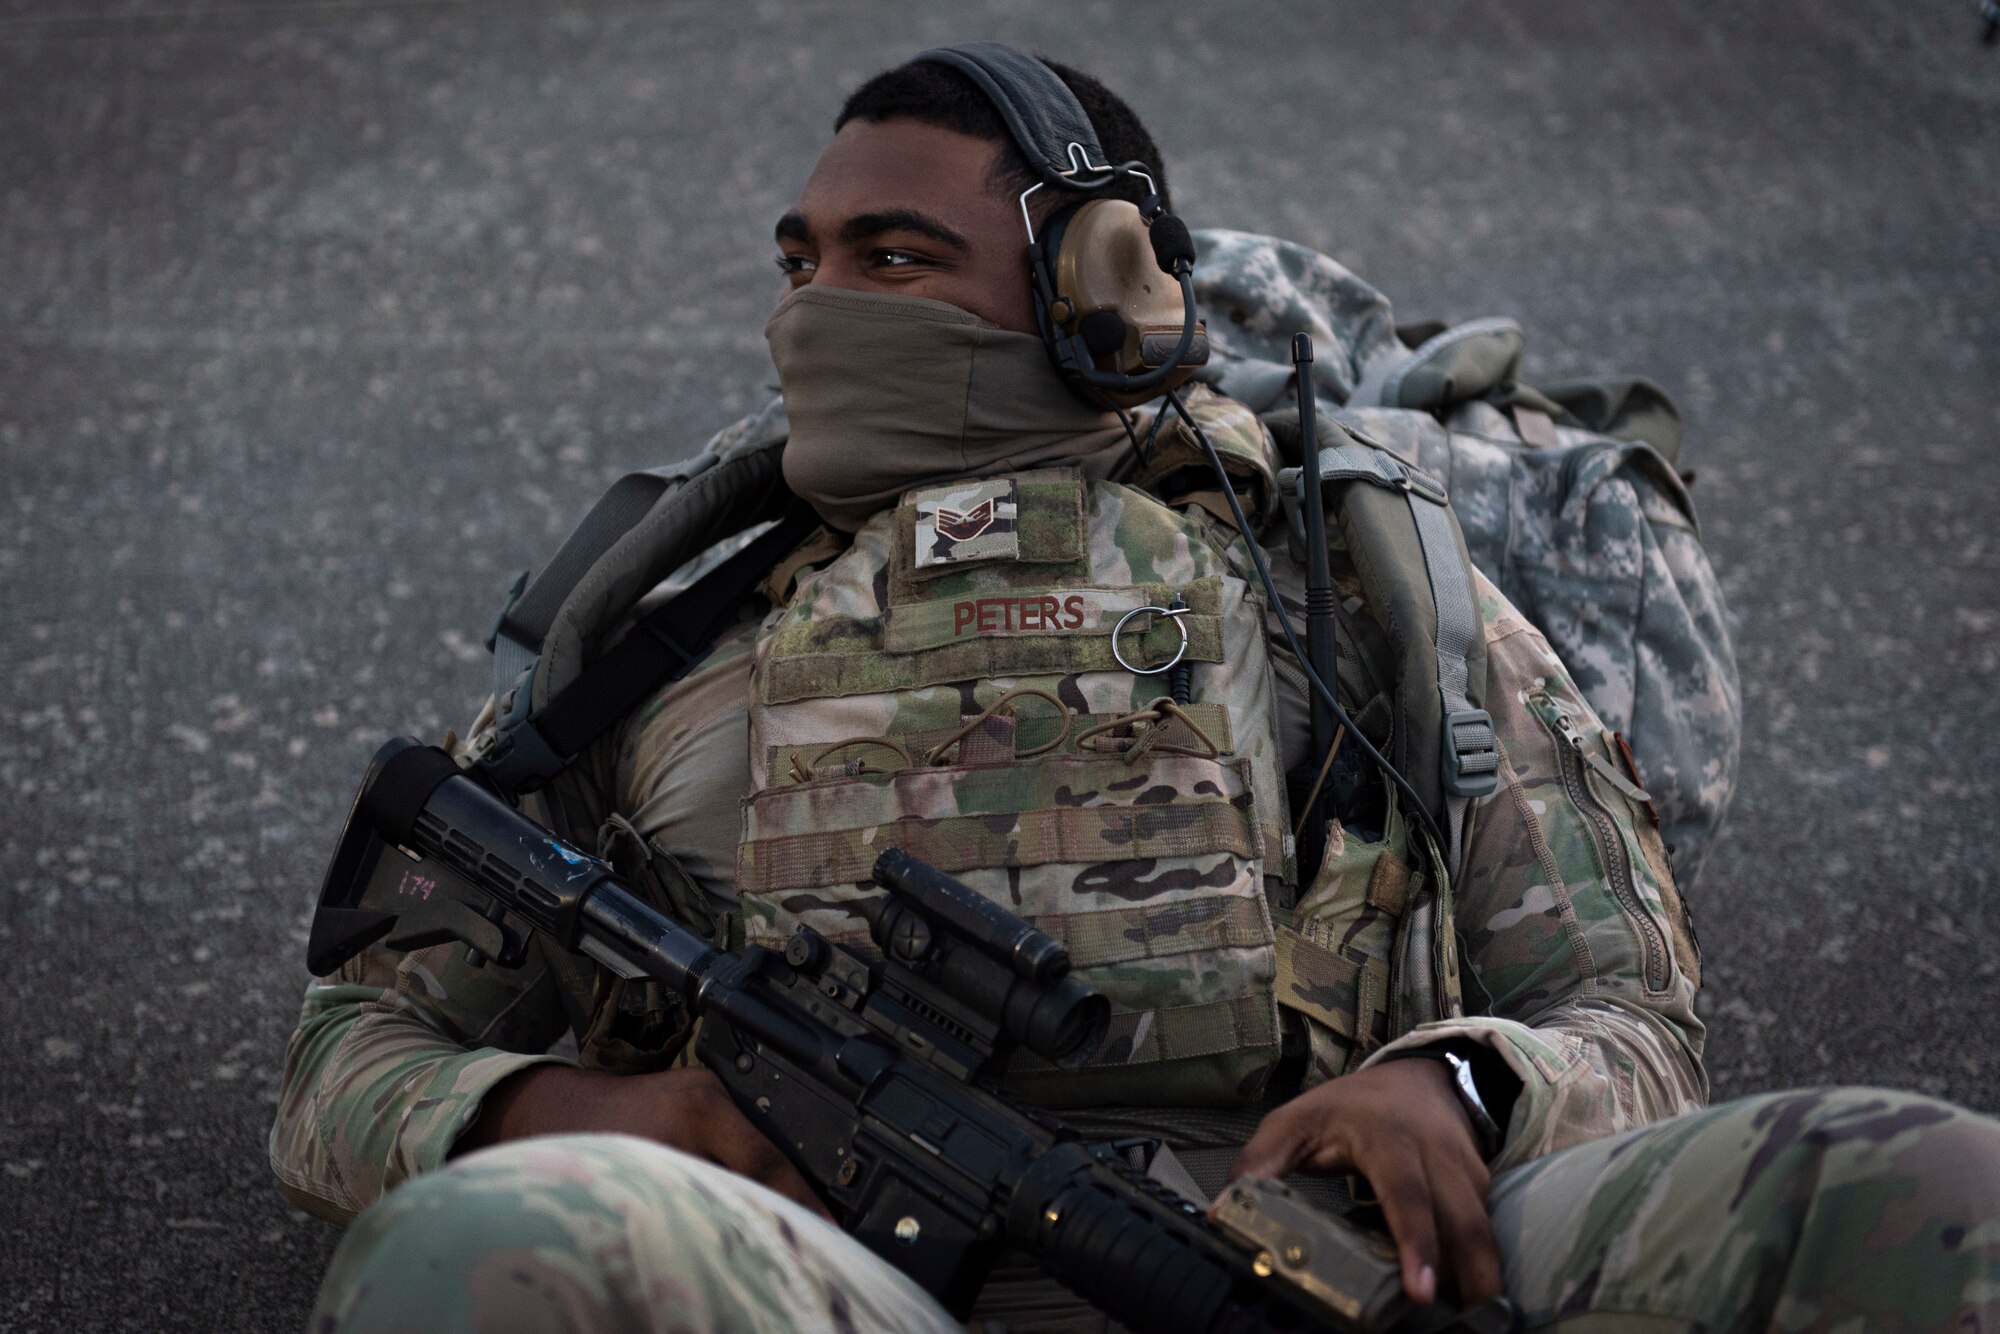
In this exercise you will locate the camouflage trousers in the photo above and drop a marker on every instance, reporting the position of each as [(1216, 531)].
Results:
[(1841, 1209)]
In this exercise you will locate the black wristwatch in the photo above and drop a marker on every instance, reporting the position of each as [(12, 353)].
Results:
[(1484, 1127)]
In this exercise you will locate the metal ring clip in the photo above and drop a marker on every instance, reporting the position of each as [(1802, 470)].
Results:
[(1172, 614)]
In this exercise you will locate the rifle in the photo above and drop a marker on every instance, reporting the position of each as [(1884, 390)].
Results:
[(878, 1078)]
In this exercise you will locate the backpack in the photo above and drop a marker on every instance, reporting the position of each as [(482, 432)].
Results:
[(1567, 496)]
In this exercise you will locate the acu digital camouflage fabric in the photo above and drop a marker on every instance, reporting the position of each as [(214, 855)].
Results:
[(1822, 1210), (1593, 536)]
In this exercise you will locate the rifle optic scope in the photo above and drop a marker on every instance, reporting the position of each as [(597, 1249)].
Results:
[(976, 950)]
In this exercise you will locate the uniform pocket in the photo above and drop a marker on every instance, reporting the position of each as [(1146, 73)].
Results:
[(1598, 790), (1334, 955)]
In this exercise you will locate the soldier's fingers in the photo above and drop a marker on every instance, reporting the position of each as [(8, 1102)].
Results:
[(1282, 1141), (1458, 1188), (1407, 1204)]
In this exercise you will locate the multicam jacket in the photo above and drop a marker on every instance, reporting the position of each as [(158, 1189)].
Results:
[(1579, 965)]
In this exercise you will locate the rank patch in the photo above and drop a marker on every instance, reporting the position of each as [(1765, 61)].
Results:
[(971, 521)]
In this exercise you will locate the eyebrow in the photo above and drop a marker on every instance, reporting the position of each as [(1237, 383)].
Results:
[(862, 226)]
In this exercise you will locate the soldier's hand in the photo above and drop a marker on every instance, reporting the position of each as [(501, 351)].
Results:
[(1400, 1125), (687, 1110)]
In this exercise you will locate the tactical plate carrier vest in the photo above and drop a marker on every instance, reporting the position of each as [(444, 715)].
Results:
[(948, 685)]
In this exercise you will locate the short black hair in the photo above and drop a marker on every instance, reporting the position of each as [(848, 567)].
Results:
[(941, 95)]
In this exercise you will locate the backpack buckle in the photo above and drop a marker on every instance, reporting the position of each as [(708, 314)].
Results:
[(1471, 760), (1425, 485), (515, 757), (519, 760)]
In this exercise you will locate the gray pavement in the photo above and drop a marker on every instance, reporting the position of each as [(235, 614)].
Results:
[(317, 319)]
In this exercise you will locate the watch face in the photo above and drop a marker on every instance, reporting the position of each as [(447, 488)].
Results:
[(1483, 1123), (1463, 1069)]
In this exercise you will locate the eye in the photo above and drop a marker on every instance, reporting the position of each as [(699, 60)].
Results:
[(796, 266), (898, 259)]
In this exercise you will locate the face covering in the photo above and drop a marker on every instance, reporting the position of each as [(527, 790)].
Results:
[(886, 393)]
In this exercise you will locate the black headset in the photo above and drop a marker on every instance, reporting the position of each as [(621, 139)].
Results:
[(1112, 329)]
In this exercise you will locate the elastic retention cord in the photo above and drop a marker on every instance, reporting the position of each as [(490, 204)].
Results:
[(806, 773), (1291, 636), (965, 730)]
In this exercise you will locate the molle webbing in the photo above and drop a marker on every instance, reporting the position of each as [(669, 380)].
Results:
[(1342, 944), (1351, 999), (1120, 935), (1125, 935), (1003, 739), (1147, 871), (967, 842), (847, 824)]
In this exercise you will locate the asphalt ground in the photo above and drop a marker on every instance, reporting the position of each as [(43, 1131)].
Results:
[(318, 319)]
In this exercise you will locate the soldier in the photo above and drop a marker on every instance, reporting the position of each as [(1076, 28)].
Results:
[(954, 621)]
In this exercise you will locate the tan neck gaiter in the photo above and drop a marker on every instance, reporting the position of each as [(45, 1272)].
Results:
[(886, 393)]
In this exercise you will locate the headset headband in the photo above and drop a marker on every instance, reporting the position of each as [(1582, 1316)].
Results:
[(1057, 140), (1042, 114)]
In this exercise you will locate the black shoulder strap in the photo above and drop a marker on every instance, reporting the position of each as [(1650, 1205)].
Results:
[(517, 634), (662, 647)]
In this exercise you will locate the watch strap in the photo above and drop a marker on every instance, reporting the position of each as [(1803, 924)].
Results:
[(1466, 1088)]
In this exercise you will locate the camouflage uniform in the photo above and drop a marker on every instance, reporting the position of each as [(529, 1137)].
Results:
[(1814, 1210), (622, 1232), (1798, 1210), (1614, 1194)]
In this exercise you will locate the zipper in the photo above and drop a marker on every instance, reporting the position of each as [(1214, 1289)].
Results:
[(1575, 761)]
